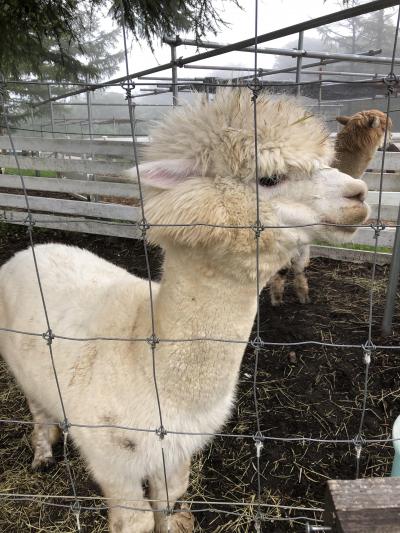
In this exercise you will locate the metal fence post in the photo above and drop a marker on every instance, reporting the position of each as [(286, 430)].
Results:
[(174, 70), (89, 112), (51, 109), (393, 282), (90, 177), (299, 62), (320, 87)]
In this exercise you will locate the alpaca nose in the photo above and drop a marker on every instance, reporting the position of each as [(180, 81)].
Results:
[(357, 190)]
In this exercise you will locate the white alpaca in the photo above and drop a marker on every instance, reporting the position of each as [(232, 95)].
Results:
[(355, 146), (202, 171)]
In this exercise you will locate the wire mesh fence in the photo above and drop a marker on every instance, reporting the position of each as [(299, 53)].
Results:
[(258, 509)]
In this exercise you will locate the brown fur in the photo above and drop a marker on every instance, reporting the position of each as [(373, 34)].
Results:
[(357, 142)]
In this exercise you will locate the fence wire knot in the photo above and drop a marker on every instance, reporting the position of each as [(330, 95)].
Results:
[(255, 87), (161, 432), (391, 81), (76, 510), (259, 444), (368, 348), (128, 88), (29, 221), (153, 340), (257, 343), (378, 227), (143, 225), (48, 337), (359, 442), (64, 426), (258, 228)]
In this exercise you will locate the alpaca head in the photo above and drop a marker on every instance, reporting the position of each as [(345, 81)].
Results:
[(366, 129), (201, 170)]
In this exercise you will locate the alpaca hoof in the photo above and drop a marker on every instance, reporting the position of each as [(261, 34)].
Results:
[(180, 522), (43, 464), (183, 521)]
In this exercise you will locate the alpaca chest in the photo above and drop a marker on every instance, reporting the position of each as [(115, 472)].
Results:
[(202, 417)]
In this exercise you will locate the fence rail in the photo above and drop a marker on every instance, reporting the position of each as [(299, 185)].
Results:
[(100, 177), (70, 146), (70, 186)]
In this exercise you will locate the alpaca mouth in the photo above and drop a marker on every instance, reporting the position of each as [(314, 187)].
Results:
[(354, 215), (350, 218), (341, 225)]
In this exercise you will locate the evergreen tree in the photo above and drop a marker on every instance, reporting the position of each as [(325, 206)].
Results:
[(89, 60), (34, 32), (360, 34)]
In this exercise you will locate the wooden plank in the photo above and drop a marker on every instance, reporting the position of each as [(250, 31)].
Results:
[(121, 190), (349, 255), (84, 166), (388, 212), (366, 236), (391, 182), (70, 224), (72, 207), (71, 146), (363, 505), (388, 198), (392, 161)]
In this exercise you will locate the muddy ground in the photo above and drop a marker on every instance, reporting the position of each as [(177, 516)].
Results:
[(309, 390)]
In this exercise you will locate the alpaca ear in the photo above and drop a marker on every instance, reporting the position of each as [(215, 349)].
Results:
[(163, 174), (343, 119), (374, 122)]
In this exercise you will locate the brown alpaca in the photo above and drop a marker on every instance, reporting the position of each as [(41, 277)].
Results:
[(355, 146)]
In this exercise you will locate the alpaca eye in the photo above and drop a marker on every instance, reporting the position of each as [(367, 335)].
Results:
[(269, 181)]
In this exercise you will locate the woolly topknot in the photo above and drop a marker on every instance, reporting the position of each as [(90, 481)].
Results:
[(219, 136)]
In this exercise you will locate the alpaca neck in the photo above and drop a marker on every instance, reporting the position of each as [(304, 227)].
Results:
[(196, 300), (353, 161), (199, 298)]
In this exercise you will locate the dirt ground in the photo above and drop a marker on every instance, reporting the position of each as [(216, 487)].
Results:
[(309, 390)]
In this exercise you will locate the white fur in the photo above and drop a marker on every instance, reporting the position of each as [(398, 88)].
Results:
[(207, 291)]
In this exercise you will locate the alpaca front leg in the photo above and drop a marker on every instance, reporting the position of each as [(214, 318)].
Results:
[(300, 278), (181, 521), (277, 287), (301, 288), (129, 511), (44, 435)]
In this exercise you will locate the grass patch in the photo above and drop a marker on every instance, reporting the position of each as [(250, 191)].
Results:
[(361, 247), (31, 172), (367, 248)]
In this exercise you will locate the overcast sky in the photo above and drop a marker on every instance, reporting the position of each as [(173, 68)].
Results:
[(273, 14)]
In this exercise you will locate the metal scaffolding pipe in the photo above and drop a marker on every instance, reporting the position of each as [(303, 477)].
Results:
[(392, 285), (271, 71), (299, 62), (293, 52), (268, 71), (343, 73), (239, 45), (174, 69), (51, 109), (317, 64)]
